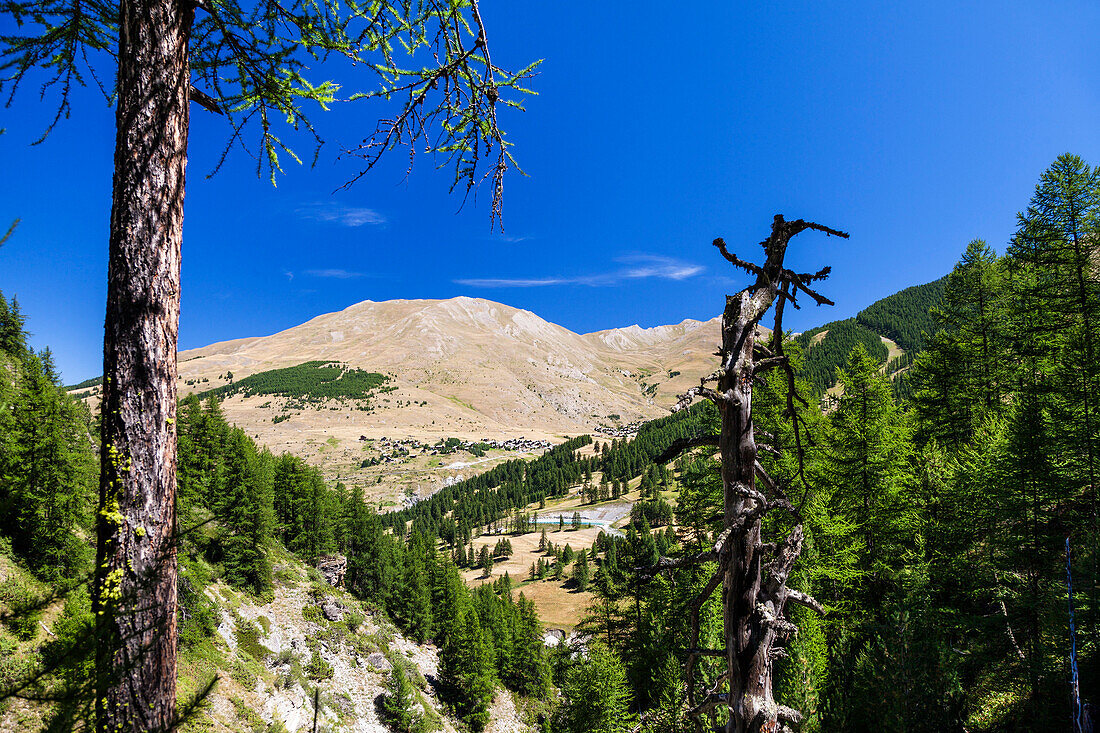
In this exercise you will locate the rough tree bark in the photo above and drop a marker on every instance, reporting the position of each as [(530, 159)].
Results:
[(753, 575), (135, 587)]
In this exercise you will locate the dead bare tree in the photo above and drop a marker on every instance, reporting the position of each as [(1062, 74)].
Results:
[(753, 574)]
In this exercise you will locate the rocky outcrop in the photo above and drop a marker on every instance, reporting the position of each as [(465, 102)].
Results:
[(332, 611), (333, 568)]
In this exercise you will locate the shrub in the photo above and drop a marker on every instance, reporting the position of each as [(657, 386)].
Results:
[(24, 605), (248, 640), (318, 668)]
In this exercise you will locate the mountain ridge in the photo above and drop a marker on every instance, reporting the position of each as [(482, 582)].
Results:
[(521, 368), (463, 367)]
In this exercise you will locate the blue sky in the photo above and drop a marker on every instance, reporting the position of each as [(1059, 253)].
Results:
[(915, 126)]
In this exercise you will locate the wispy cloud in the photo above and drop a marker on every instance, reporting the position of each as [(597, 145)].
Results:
[(657, 266), (336, 273), (504, 282), (349, 216), (639, 267)]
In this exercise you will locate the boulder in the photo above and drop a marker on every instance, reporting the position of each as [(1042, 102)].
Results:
[(553, 637), (377, 661), (332, 611)]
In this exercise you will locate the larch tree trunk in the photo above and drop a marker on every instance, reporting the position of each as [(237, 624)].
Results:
[(134, 598)]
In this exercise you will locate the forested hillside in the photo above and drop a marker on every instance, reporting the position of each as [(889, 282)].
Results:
[(310, 382), (238, 505), (826, 348), (942, 532), (459, 509), (906, 318)]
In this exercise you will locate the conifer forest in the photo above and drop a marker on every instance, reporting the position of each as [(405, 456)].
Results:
[(853, 488)]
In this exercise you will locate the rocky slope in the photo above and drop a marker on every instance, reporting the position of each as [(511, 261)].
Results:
[(270, 658)]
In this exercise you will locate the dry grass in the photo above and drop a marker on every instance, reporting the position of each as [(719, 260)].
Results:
[(559, 607), (892, 349)]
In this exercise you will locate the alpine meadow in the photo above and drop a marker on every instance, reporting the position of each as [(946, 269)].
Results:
[(354, 457)]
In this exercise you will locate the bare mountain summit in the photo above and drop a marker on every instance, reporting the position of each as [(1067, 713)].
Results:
[(465, 367), (482, 367)]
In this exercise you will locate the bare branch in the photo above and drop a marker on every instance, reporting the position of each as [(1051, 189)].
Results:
[(737, 261), (712, 701), (205, 101), (800, 225), (10, 231), (696, 607), (802, 599), (771, 485), (797, 282), (671, 563), (772, 362), (688, 397), (786, 554), (762, 349), (678, 447)]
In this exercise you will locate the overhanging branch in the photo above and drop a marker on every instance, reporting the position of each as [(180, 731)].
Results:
[(678, 447)]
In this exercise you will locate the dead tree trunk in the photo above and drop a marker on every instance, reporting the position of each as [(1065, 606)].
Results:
[(753, 578), (135, 587)]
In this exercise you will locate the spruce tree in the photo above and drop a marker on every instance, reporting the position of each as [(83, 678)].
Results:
[(416, 613), (46, 467), (581, 570), (13, 337), (866, 463), (1053, 257), (870, 494), (963, 375), (245, 514)]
